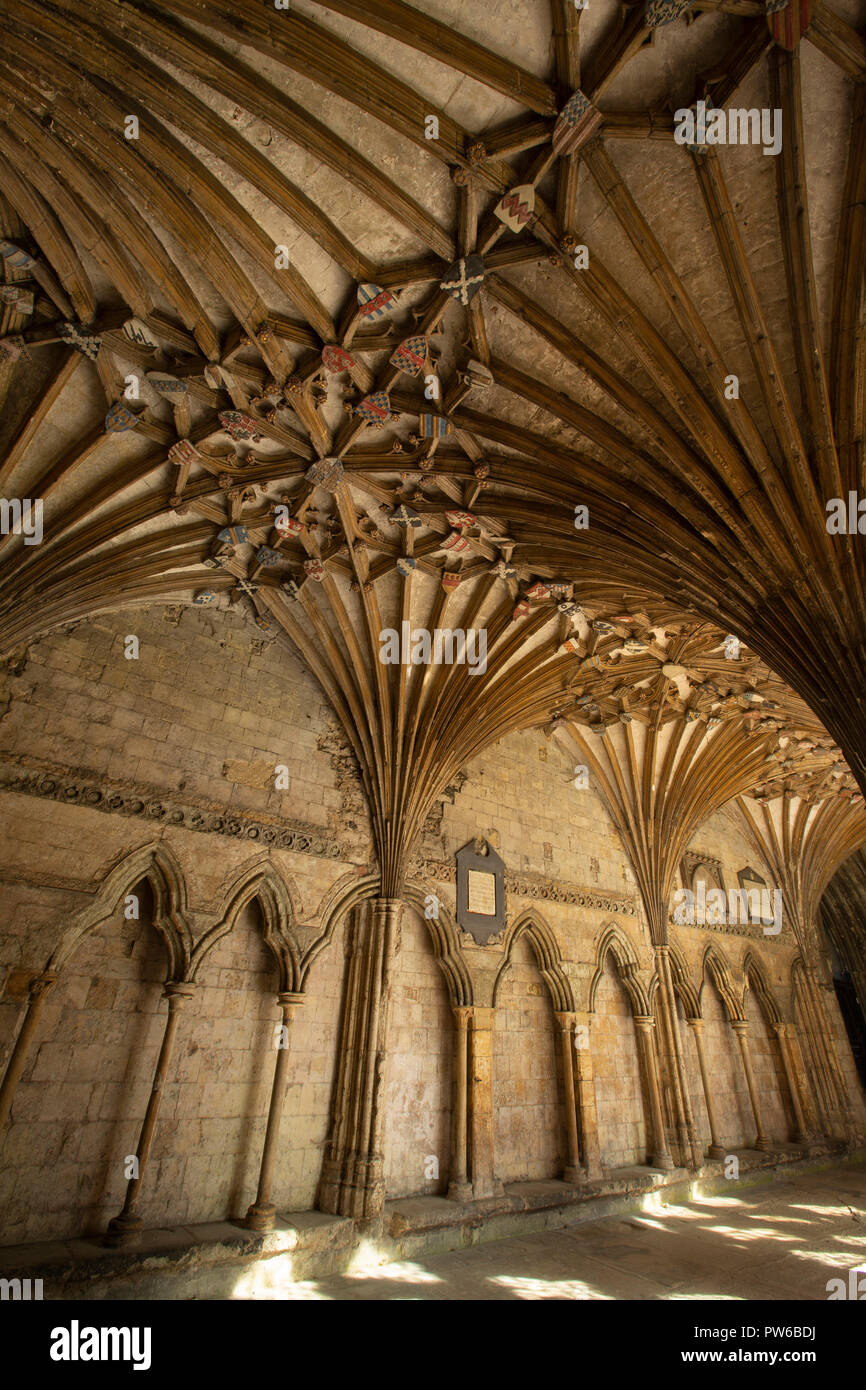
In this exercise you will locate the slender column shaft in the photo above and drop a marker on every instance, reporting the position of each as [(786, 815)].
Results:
[(459, 1188), (573, 1171), (587, 1110), (688, 1138), (661, 1155), (481, 1151), (39, 990), (800, 1128), (741, 1028), (348, 1066), (716, 1149), (125, 1229), (823, 1092), (262, 1213), (804, 1085)]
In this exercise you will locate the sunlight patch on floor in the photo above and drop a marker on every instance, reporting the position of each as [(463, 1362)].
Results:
[(407, 1272), (525, 1287)]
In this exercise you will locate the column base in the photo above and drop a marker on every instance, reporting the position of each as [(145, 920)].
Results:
[(716, 1151), (261, 1218), (574, 1175), (491, 1187), (460, 1192), (763, 1145), (808, 1143), (123, 1231), (662, 1161)]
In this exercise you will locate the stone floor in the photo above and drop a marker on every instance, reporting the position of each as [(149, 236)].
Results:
[(781, 1241)]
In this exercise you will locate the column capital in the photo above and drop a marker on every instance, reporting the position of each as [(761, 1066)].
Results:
[(287, 996), (41, 984), (462, 1014), (696, 1024), (740, 1025), (565, 1018), (176, 991), (780, 1028), (644, 1022)]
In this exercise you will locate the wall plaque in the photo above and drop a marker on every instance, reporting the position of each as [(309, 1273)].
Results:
[(481, 893), (480, 890)]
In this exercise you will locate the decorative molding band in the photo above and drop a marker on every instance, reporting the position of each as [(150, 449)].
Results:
[(150, 804), (535, 886), (731, 929)]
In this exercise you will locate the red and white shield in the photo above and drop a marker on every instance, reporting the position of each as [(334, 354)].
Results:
[(460, 518), (521, 610), (450, 581), (538, 590), (454, 541), (238, 425), (314, 569), (337, 359), (184, 451), (516, 208), (288, 525)]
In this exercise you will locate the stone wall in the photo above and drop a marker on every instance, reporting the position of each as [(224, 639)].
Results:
[(418, 1088), (618, 1089), (106, 762), (526, 1086)]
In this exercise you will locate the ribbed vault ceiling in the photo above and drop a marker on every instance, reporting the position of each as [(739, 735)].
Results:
[(282, 161)]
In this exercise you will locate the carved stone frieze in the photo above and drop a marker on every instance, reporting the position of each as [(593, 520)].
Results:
[(534, 886), (150, 804)]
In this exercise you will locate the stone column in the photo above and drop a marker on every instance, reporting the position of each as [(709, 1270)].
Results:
[(716, 1150), (353, 1179), (573, 1171), (800, 1135), (689, 1144), (38, 991), (481, 1150), (644, 1026), (798, 1065), (459, 1187), (586, 1106), (820, 1080), (125, 1229), (262, 1213), (741, 1028)]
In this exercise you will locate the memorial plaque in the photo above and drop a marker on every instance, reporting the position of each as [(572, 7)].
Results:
[(482, 893), (480, 890)]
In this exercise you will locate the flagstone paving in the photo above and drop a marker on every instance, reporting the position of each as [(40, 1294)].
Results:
[(783, 1241)]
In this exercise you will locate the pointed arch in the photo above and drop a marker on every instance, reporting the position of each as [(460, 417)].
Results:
[(157, 863), (756, 980), (547, 954), (444, 934), (716, 967), (614, 940), (341, 897), (262, 882), (683, 984)]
